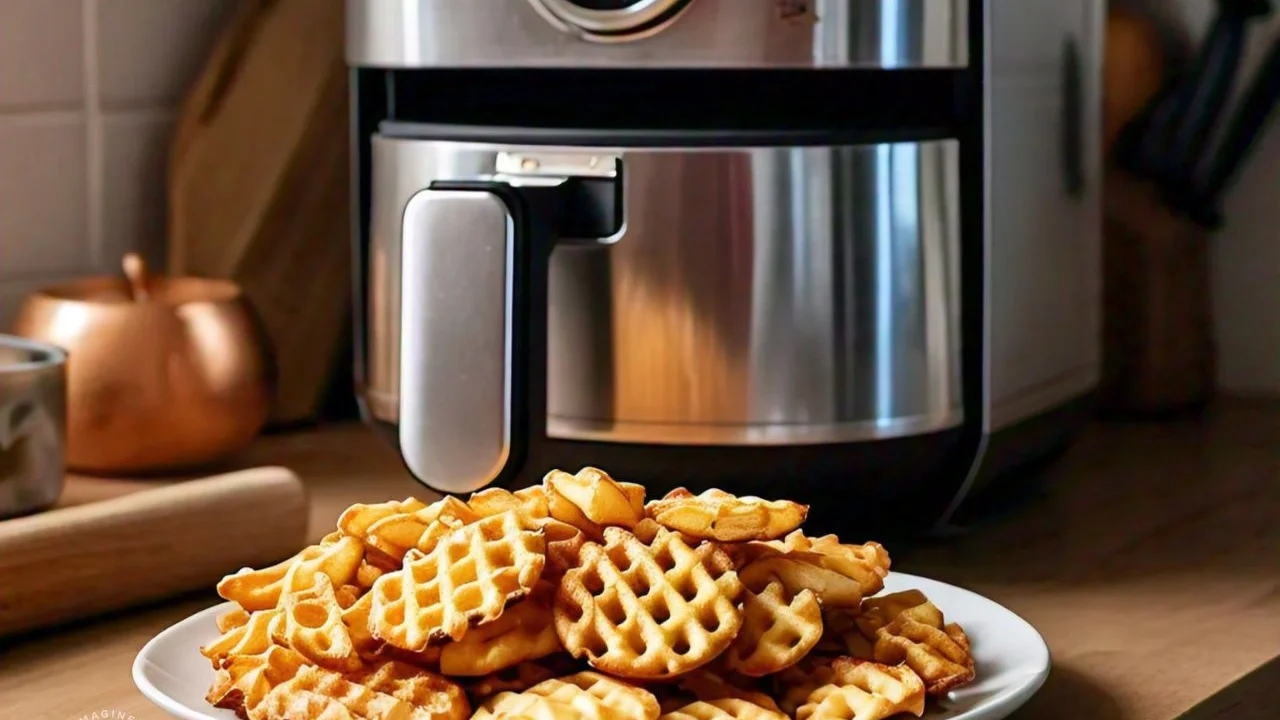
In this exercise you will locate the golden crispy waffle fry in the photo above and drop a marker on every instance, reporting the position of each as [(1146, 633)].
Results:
[(395, 535), (868, 564), (563, 510), (468, 579), (432, 696), (718, 515), (865, 691), (588, 692), (648, 610), (232, 619), (310, 622), (428, 659), (290, 704), (601, 499), (564, 545), (793, 686), (628, 700), (723, 709), (880, 611), (247, 679), (355, 520), (517, 706), (249, 639), (800, 571), (778, 629), (261, 589), (530, 502), (524, 631), (347, 595), (939, 655), (703, 684), (519, 678), (841, 636), (356, 620), (362, 702), (367, 574)]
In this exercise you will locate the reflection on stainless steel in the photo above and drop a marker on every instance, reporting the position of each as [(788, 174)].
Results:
[(708, 33), (757, 296), (33, 425)]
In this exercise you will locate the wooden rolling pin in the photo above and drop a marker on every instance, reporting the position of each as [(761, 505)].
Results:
[(86, 560)]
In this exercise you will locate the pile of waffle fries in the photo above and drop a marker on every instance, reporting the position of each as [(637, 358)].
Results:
[(577, 599)]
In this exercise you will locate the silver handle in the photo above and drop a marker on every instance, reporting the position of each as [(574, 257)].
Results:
[(457, 333)]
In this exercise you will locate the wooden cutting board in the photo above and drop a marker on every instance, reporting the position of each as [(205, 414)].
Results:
[(113, 544), (259, 186)]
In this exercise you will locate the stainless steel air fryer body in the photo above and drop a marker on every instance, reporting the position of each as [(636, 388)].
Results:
[(564, 259)]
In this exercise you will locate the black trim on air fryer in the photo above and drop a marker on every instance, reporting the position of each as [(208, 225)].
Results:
[(872, 105), (653, 137), (368, 104)]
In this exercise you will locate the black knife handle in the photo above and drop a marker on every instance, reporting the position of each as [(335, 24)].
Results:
[(1204, 101), (1245, 127)]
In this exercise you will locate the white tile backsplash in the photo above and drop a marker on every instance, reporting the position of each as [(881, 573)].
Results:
[(134, 156), (41, 54), (42, 196), (150, 50), (89, 90)]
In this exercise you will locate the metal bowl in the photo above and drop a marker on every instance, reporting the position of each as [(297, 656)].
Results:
[(33, 419)]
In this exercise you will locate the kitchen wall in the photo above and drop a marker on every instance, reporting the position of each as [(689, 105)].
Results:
[(88, 94)]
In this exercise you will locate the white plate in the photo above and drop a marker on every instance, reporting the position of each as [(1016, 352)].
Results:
[(1011, 657)]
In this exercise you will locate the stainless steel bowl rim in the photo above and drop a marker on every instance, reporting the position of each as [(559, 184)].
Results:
[(43, 354)]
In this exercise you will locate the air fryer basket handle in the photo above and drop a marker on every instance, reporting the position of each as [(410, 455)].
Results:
[(464, 366)]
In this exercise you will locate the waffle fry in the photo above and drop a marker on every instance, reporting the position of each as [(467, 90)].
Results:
[(841, 635), (648, 610), (530, 502), (723, 709), (356, 620), (249, 639), (718, 515), (865, 691), (524, 631), (367, 574), (248, 678), (469, 578), (324, 691), (517, 678), (232, 619), (879, 611), (689, 607), (310, 622), (432, 696), (778, 629), (939, 655), (587, 694), (867, 564), (703, 684), (261, 589), (356, 520), (601, 499), (395, 535), (800, 571)]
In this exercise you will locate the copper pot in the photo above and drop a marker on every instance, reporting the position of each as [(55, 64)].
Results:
[(163, 373)]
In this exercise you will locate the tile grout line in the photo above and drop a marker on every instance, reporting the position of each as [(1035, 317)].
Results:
[(93, 136)]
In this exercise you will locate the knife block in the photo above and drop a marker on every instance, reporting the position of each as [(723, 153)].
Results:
[(1158, 347)]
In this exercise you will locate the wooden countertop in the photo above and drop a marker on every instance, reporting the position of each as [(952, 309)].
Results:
[(1149, 559)]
